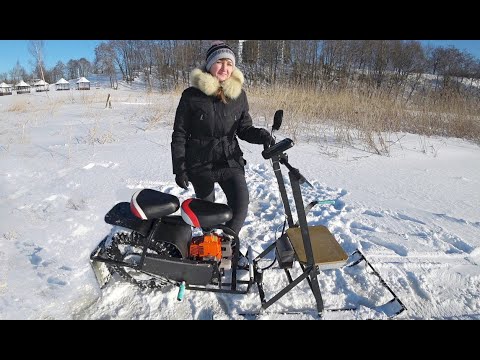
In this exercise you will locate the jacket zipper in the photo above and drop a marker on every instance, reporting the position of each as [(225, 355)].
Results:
[(215, 125)]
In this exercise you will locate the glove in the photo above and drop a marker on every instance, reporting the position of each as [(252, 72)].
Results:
[(267, 139), (182, 180)]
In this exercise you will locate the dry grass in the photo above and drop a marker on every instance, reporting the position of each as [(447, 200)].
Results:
[(448, 115), (97, 135), (28, 105), (310, 115), (369, 118), (161, 109), (20, 105)]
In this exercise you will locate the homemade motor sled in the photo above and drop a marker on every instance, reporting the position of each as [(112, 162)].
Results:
[(152, 248)]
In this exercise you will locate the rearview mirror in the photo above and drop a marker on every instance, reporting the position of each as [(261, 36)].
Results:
[(277, 120)]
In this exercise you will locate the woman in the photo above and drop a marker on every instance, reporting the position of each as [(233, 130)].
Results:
[(210, 116)]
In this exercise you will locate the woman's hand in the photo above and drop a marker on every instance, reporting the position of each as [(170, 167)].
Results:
[(182, 180), (267, 139)]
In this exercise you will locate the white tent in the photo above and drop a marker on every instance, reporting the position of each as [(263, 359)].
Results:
[(83, 84), (5, 89), (22, 87), (62, 84), (41, 85)]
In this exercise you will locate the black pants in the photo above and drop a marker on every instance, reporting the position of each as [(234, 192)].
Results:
[(232, 181)]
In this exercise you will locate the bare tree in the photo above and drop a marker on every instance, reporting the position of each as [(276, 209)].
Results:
[(73, 69), (449, 65), (378, 61), (299, 56), (127, 57), (240, 50), (146, 52), (105, 62), (164, 63), (406, 58), (250, 51), (85, 67), (36, 49), (58, 71), (18, 73)]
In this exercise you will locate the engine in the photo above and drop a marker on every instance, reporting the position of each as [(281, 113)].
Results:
[(212, 247)]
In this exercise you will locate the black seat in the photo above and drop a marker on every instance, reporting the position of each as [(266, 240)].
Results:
[(202, 213), (149, 204)]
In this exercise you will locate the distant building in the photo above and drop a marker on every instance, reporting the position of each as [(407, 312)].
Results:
[(5, 89), (22, 87), (33, 81), (41, 86), (62, 84), (83, 84)]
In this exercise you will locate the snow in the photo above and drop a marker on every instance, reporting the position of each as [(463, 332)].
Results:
[(65, 160)]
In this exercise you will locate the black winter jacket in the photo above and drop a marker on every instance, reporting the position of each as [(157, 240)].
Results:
[(206, 129)]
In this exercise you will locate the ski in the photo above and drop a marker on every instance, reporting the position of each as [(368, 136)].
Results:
[(100, 269), (390, 310), (312, 313)]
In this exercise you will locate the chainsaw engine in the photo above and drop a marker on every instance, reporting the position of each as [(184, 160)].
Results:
[(212, 247)]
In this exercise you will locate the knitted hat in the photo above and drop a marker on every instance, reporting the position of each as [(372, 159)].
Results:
[(219, 50)]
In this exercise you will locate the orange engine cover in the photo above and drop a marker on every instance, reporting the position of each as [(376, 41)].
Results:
[(207, 247)]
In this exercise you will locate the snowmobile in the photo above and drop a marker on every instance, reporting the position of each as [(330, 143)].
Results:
[(152, 248)]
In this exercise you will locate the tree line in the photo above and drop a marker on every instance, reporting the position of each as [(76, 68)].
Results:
[(71, 70), (390, 66)]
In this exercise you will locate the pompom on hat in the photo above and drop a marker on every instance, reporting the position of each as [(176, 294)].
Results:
[(218, 50)]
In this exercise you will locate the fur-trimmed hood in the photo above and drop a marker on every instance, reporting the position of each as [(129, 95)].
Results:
[(209, 84)]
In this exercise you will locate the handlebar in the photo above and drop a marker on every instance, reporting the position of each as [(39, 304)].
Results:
[(278, 148)]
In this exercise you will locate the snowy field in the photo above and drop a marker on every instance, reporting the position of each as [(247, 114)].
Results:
[(65, 160)]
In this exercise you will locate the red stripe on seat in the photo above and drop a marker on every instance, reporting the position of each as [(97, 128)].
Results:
[(186, 208), (135, 211)]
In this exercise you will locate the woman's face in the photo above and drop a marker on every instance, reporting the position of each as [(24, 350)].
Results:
[(222, 69)]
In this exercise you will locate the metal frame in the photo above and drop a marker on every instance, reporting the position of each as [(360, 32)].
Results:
[(310, 271), (221, 287)]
